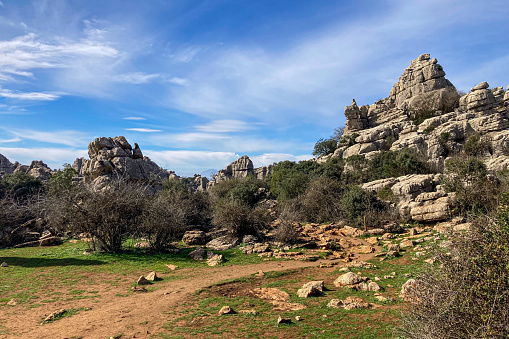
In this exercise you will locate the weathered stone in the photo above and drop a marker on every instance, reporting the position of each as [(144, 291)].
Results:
[(406, 243), (347, 279), (311, 289), (215, 260), (408, 290), (152, 276), (226, 310), (4, 264), (142, 281), (194, 238), (197, 254), (350, 303), (281, 320), (223, 243)]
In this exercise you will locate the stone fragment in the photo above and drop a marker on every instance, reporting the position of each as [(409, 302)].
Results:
[(347, 279), (408, 290), (215, 260), (350, 303), (4, 264), (172, 267), (311, 289), (248, 312), (223, 243), (12, 302), (281, 320), (152, 276), (197, 254), (226, 310), (406, 243), (194, 238), (143, 281)]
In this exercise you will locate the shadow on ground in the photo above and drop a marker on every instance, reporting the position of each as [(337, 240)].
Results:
[(48, 262)]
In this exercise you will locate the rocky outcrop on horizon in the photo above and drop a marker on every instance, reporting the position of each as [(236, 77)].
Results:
[(115, 157), (36, 169), (241, 169), (447, 120)]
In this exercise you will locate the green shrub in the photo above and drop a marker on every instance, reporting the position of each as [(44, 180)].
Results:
[(324, 147), (419, 115), (356, 202), (247, 191), (61, 181), (286, 233), (478, 145), (19, 184), (388, 164)]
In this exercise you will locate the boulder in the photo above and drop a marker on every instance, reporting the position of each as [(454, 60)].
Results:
[(226, 310), (350, 303), (348, 279), (311, 289), (223, 243), (408, 290), (197, 254), (215, 260), (194, 238)]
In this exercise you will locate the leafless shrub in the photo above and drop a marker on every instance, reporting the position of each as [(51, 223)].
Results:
[(286, 233), (466, 294), (240, 219)]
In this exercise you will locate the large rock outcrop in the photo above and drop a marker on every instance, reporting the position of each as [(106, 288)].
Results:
[(241, 169), (425, 113), (6, 167), (36, 169), (115, 157)]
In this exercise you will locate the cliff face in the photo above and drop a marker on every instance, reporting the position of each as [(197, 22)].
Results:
[(422, 110)]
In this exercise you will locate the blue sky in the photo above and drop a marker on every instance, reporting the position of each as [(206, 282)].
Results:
[(199, 83)]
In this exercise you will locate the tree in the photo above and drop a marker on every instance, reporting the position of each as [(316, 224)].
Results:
[(324, 147)]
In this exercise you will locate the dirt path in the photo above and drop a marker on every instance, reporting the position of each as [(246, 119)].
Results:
[(136, 316)]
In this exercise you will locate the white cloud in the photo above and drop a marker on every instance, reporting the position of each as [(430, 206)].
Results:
[(178, 81), (54, 157), (183, 162), (135, 78), (5, 141), (224, 126), (270, 158), (34, 96), (134, 118), (68, 138), (143, 130), (1, 4)]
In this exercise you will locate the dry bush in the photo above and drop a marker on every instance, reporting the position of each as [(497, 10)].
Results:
[(466, 294), (286, 233), (109, 216), (319, 203), (240, 219)]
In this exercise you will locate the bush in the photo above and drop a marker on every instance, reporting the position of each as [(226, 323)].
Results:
[(246, 191), (286, 233), (478, 145), (319, 203), (238, 218), (394, 164), (356, 202), (110, 216), (466, 294), (61, 181), (19, 184), (475, 191), (164, 219), (324, 147)]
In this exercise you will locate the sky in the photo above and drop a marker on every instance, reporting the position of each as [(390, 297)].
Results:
[(198, 84)]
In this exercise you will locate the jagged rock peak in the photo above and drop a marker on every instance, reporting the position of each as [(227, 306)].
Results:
[(241, 168), (5, 165)]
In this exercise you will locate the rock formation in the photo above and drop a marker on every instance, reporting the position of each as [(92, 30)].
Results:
[(37, 168), (242, 168), (425, 113), (115, 157)]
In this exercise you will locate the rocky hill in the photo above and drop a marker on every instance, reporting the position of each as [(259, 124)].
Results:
[(425, 113)]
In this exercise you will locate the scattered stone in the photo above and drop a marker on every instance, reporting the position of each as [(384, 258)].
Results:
[(172, 267), (143, 281), (197, 254), (12, 302), (54, 315), (152, 276), (261, 248), (372, 241), (298, 318), (419, 254), (215, 260), (360, 264), (194, 238), (4, 264), (260, 273), (311, 289), (407, 275), (408, 290), (226, 310), (223, 243), (393, 247), (388, 236), (430, 261), (378, 279), (140, 289), (406, 243), (374, 287), (348, 279), (382, 298), (350, 303), (281, 320), (248, 312)]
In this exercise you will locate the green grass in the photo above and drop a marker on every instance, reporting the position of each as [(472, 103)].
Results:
[(39, 275)]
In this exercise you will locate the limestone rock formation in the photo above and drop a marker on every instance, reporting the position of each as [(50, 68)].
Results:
[(239, 169), (424, 113), (115, 157), (6, 167)]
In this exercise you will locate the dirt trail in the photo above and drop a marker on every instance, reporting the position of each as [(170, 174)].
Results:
[(114, 315)]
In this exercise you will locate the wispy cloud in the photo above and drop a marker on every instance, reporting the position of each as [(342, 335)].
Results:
[(1, 4), (135, 78), (134, 118), (33, 96), (178, 81), (68, 137), (5, 141), (224, 126), (143, 130)]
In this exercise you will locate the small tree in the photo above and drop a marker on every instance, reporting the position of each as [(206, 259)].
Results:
[(324, 147)]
